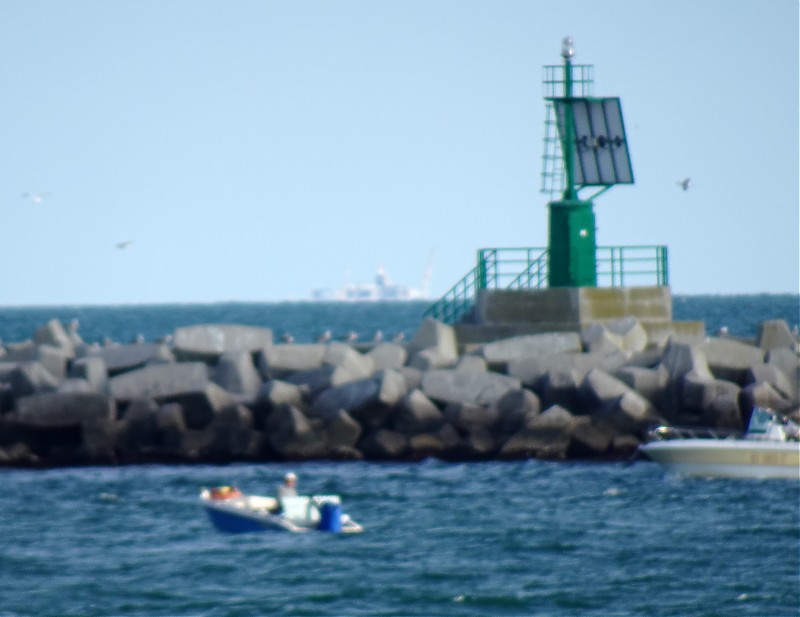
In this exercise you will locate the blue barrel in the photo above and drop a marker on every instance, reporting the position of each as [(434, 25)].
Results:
[(330, 517)]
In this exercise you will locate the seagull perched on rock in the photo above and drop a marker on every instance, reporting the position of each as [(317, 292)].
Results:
[(685, 183), (325, 337), (287, 338), (36, 198)]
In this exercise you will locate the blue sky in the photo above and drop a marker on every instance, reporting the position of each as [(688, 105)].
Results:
[(257, 150)]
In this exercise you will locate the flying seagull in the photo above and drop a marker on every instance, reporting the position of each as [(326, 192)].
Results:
[(125, 244), (36, 198), (685, 183)]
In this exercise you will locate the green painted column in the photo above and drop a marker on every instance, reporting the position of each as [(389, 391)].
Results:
[(571, 244)]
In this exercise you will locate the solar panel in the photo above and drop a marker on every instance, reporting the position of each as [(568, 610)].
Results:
[(600, 148)]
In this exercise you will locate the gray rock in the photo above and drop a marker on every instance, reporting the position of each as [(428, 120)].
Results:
[(650, 383), (599, 389), (471, 364), (231, 436), (775, 334), (561, 387), (387, 355), (29, 378), (121, 358), (631, 413), (532, 370), (209, 341), (447, 385), (631, 333), (730, 359), (160, 382), (478, 443), (468, 417), (184, 383), (774, 376), (547, 436), (74, 384), (530, 346), (788, 363), (590, 439), (384, 444), (432, 334), (59, 410), (384, 389), (54, 334), (236, 373), (762, 394), (276, 392), (342, 431), (412, 377), (428, 359), (698, 391), (284, 359), (348, 360), (518, 401), (92, 370), (415, 414), (291, 434)]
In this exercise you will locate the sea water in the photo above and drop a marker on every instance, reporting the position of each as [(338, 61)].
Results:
[(525, 538), (513, 538)]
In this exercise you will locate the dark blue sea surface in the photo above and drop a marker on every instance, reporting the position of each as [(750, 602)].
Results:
[(527, 538), (741, 314)]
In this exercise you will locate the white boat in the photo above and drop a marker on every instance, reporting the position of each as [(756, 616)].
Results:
[(232, 511), (382, 290), (769, 449)]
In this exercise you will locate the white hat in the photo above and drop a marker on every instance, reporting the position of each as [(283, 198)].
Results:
[(289, 476)]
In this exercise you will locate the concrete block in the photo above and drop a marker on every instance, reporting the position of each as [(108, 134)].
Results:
[(471, 364), (282, 359), (209, 341), (429, 359), (416, 413), (54, 334), (788, 363), (30, 378), (432, 334), (530, 346), (351, 365), (236, 373), (447, 385), (91, 369), (467, 417), (342, 431), (774, 334), (599, 389), (730, 359), (121, 358), (384, 389), (387, 355), (160, 382), (59, 410), (699, 391), (383, 444)]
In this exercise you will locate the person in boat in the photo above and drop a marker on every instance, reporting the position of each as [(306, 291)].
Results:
[(288, 488)]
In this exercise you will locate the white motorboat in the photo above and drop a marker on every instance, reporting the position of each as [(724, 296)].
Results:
[(232, 511), (769, 449)]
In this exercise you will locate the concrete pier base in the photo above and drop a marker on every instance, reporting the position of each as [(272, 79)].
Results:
[(502, 313)]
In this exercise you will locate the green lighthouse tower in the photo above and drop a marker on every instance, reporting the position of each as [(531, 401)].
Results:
[(594, 153), (573, 282)]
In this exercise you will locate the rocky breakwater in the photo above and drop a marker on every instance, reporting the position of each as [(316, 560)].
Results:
[(219, 393)]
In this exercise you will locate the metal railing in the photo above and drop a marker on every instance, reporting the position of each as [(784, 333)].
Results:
[(527, 268)]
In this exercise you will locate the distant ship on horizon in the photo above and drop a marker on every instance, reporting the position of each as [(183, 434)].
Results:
[(382, 289)]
